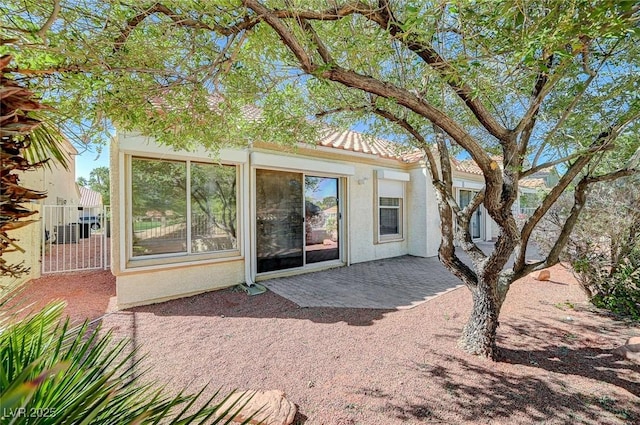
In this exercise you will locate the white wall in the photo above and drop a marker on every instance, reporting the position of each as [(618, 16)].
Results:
[(423, 216), (362, 218)]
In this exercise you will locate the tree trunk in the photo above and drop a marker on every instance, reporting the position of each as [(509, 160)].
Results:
[(479, 334)]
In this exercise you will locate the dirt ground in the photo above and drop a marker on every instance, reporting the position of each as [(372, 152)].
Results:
[(381, 367)]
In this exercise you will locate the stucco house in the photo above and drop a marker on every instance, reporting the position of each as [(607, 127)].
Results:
[(183, 223)]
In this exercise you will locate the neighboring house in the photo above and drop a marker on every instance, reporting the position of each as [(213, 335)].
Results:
[(90, 209), (89, 198), (183, 223), (61, 189)]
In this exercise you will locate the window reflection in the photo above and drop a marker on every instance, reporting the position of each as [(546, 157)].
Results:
[(160, 204), (279, 222)]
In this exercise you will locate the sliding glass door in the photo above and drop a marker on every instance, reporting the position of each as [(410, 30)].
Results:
[(297, 220), (279, 220), (321, 219)]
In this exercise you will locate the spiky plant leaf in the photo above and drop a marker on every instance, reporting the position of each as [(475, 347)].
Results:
[(80, 375)]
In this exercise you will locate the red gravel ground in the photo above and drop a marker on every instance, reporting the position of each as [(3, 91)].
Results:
[(375, 367)]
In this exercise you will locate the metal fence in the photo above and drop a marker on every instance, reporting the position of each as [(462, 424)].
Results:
[(75, 238)]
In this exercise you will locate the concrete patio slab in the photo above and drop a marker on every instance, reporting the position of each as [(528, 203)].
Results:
[(393, 283)]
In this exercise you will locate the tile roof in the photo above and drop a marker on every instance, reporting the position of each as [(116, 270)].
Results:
[(88, 197), (533, 183), (466, 166), (354, 141)]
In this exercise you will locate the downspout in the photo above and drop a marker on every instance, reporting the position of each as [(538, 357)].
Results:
[(246, 218)]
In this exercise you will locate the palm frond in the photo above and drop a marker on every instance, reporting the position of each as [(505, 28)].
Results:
[(81, 375), (46, 143)]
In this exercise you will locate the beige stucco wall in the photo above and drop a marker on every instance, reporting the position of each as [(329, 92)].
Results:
[(361, 205), (423, 216), (29, 239), (147, 287), (151, 284), (154, 283)]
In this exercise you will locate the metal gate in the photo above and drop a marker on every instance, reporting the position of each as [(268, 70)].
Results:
[(75, 238)]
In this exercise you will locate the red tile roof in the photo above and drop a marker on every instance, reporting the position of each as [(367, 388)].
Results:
[(353, 141), (533, 183)]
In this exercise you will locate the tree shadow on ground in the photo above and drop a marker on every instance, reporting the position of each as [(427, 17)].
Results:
[(548, 373), (578, 349), (235, 303), (478, 390)]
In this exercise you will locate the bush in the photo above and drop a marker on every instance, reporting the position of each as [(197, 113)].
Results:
[(604, 248), (621, 293), (51, 373)]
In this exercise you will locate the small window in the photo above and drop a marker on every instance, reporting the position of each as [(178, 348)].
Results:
[(390, 204), (390, 217)]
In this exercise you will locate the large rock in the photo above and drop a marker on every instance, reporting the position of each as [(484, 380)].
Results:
[(630, 351), (271, 406)]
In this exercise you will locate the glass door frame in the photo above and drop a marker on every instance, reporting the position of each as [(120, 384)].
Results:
[(342, 223), (477, 214)]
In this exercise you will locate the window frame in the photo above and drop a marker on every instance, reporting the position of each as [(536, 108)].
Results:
[(188, 255), (390, 236), (394, 237)]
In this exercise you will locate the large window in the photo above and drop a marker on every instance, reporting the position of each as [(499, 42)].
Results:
[(182, 207)]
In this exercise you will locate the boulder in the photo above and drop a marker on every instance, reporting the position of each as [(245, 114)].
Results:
[(634, 340), (629, 351), (271, 406), (544, 275)]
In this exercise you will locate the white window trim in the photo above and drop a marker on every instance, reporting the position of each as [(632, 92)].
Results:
[(393, 236), (392, 176), (178, 258)]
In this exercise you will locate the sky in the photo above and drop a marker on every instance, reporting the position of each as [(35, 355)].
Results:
[(87, 161)]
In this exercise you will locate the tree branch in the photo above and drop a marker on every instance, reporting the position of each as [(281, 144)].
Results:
[(603, 141), (283, 32), (580, 197), (541, 89), (42, 32), (446, 251), (383, 17), (322, 49), (533, 170), (573, 104), (414, 103), (342, 109), (463, 218), (245, 24)]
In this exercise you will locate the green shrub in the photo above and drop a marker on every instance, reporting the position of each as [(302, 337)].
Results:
[(54, 373), (621, 292)]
